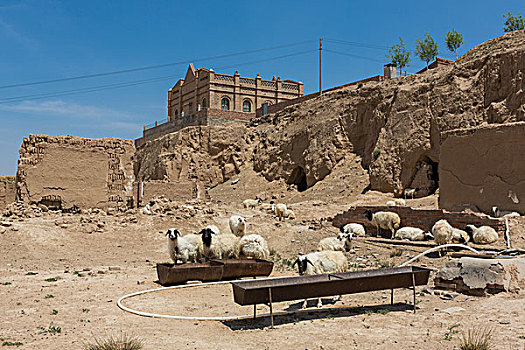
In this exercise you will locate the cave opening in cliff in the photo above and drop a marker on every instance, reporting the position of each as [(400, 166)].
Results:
[(298, 178)]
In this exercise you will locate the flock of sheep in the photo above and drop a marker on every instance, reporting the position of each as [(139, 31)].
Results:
[(210, 243)]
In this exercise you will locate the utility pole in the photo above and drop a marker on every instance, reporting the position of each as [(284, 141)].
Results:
[(321, 66)]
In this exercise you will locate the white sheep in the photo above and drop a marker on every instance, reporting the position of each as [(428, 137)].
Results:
[(442, 232), (384, 219), (326, 261), (459, 236), (482, 235), (185, 248), (289, 214), (354, 228), (214, 229), (396, 202), (504, 213), (413, 234), (410, 192), (343, 242), (280, 210), (237, 225), (251, 203), (224, 246), (146, 210), (253, 246)]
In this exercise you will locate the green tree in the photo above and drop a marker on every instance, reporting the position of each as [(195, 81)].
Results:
[(399, 55), (427, 49), (454, 40), (513, 23)]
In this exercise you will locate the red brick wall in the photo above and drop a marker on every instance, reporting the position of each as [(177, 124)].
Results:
[(421, 218)]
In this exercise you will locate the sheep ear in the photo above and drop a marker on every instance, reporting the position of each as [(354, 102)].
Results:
[(168, 233), (309, 262), (295, 262)]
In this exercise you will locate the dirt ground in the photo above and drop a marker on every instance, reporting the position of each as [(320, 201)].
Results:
[(67, 271)]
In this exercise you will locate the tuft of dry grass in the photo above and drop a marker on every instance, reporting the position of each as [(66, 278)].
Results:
[(121, 342), (477, 339)]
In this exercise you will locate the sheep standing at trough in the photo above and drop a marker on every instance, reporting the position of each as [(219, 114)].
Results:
[(184, 248), (384, 219), (253, 247), (214, 229), (224, 246), (413, 234), (482, 235), (343, 242), (353, 229), (237, 225), (280, 210), (504, 213), (251, 203), (326, 261)]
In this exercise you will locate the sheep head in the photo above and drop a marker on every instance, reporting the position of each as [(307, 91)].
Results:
[(302, 262), (368, 214), (172, 234), (206, 236), (428, 236)]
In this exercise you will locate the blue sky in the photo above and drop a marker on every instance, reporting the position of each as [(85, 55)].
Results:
[(49, 39)]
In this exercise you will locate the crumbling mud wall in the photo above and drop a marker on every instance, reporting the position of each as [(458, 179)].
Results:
[(7, 190), (395, 125), (483, 166), (209, 155), (65, 172)]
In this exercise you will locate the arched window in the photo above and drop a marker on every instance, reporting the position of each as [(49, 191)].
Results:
[(204, 103), (246, 106), (225, 104)]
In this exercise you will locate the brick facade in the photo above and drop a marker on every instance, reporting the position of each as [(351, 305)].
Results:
[(7, 190), (421, 218)]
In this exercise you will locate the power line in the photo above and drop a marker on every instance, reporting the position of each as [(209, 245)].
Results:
[(155, 66), (355, 56), (130, 83), (355, 43)]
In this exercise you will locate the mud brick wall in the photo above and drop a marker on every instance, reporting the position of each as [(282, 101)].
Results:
[(421, 218), (65, 171), (7, 190)]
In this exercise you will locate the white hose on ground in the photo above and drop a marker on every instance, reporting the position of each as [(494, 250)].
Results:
[(438, 248)]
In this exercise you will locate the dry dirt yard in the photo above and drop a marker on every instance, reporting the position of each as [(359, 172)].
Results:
[(62, 274)]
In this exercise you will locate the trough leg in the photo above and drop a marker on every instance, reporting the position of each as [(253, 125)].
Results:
[(271, 309), (392, 296), (254, 308), (414, 290)]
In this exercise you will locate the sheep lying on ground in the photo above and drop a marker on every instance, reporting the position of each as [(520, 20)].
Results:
[(214, 229), (184, 248), (237, 225), (384, 219), (326, 261), (253, 247), (459, 236), (280, 210), (397, 202), (502, 213), (343, 242), (251, 203), (224, 246), (354, 229), (413, 234), (289, 214), (482, 235)]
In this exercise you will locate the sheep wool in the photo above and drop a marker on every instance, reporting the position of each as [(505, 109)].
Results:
[(184, 248), (384, 220), (442, 232), (224, 246), (354, 229), (482, 235), (253, 247)]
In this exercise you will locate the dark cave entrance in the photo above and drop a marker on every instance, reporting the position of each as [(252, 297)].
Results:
[(298, 178)]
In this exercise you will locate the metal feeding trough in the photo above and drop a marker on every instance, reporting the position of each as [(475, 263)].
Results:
[(213, 270), (316, 286)]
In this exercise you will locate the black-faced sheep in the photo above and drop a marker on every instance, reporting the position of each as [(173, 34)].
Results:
[(326, 261), (237, 225), (184, 248), (384, 219), (504, 213), (224, 246), (482, 235)]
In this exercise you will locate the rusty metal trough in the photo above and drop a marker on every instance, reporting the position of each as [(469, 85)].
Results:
[(214, 270), (316, 286)]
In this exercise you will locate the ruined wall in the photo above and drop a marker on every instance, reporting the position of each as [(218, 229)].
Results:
[(202, 154), (421, 218), (68, 171), (396, 125), (7, 190), (483, 166)]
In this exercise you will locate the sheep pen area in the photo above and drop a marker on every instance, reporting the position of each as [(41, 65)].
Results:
[(67, 271)]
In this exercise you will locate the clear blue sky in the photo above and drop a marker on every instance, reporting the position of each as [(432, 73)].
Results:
[(49, 39)]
